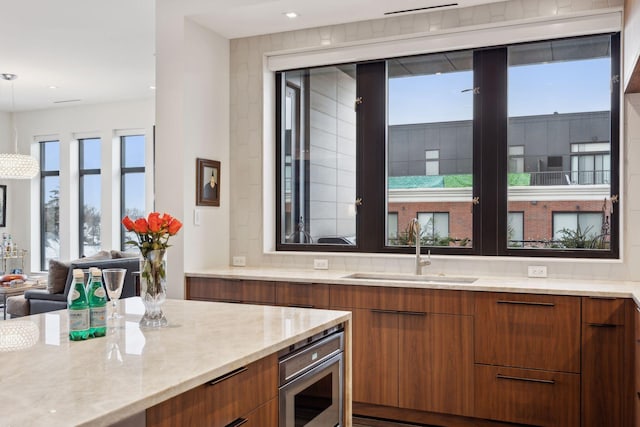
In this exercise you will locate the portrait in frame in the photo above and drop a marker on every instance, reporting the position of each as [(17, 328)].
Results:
[(207, 182)]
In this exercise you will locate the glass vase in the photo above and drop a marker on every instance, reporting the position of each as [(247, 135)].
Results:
[(153, 288)]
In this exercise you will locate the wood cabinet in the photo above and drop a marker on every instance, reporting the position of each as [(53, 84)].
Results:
[(412, 348), (230, 290), (603, 363), (528, 331), (527, 354), (308, 295), (245, 393)]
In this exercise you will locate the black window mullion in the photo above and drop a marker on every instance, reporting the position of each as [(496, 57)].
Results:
[(370, 152), (490, 151)]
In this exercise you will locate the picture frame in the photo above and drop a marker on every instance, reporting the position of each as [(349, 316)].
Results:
[(3, 207), (207, 182)]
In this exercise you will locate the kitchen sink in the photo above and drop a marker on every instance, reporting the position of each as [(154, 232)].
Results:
[(412, 278)]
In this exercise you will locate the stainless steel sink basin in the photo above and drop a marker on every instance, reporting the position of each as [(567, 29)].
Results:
[(412, 278)]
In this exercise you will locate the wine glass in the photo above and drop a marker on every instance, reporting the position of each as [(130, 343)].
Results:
[(113, 281)]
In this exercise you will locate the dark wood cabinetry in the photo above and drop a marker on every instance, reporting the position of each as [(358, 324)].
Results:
[(412, 348), (459, 358), (527, 354), (245, 393), (603, 363), (230, 290)]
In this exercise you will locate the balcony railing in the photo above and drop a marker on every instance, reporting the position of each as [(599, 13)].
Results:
[(570, 177)]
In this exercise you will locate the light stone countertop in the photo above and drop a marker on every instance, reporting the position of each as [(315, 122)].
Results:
[(599, 288), (57, 382)]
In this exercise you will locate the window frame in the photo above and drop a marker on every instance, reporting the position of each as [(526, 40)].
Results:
[(44, 173), (490, 148), (82, 172), (124, 170)]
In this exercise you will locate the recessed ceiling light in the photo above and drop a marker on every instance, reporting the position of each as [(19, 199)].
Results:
[(291, 15), (152, 87), (53, 87)]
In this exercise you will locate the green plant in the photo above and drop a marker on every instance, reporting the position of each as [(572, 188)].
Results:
[(581, 239)]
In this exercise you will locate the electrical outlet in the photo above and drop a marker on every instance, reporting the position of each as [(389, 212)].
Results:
[(239, 261), (537, 271), (321, 264)]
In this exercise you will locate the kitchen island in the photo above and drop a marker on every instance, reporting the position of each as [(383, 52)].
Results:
[(48, 380)]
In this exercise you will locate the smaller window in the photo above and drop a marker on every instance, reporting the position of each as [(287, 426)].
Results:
[(132, 184), (432, 162), (515, 230), (90, 196), (434, 228), (580, 230), (516, 158), (392, 228), (590, 163)]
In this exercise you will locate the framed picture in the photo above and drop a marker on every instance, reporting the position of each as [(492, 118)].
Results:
[(3, 207), (207, 182)]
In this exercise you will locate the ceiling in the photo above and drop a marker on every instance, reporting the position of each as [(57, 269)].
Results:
[(99, 52)]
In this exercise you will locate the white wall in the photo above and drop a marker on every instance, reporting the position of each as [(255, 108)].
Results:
[(631, 48), (67, 124), (249, 82), (192, 120)]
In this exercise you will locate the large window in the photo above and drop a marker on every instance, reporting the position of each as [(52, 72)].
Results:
[(90, 195), (496, 137), (132, 204), (49, 202)]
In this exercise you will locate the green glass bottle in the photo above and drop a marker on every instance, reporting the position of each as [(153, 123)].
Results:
[(78, 308), (97, 304)]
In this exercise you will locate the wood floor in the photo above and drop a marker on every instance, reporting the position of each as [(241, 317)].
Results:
[(370, 422)]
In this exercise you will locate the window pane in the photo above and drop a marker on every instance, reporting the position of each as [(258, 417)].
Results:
[(133, 151), (579, 230), (134, 202), (318, 160), (392, 226), (91, 156), (515, 230), (559, 105), (50, 219), (90, 227), (51, 157), (430, 111)]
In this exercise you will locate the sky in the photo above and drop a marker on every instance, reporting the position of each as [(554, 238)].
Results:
[(563, 87)]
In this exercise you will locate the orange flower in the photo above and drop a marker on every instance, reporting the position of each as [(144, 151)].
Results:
[(174, 226), (141, 226), (166, 219), (128, 224), (155, 224)]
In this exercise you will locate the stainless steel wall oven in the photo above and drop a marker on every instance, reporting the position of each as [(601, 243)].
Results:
[(311, 381)]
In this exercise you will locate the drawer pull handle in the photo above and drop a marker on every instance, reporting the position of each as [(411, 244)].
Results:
[(234, 301), (541, 304), (300, 305), (413, 313), (380, 311), (602, 325), (531, 380), (237, 422), (227, 376)]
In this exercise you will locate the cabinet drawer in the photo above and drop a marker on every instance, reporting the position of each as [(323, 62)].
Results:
[(381, 298), (527, 396), (528, 331), (231, 290), (309, 295), (264, 416), (222, 400), (603, 311)]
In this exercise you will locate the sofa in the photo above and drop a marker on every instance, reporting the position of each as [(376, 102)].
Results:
[(60, 279)]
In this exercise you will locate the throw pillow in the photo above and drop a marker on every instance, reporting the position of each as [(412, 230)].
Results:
[(97, 256), (57, 276)]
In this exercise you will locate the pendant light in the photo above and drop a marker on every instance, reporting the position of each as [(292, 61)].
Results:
[(15, 165)]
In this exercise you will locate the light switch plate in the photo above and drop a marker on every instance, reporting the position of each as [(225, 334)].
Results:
[(196, 217), (239, 261), (321, 264), (537, 271)]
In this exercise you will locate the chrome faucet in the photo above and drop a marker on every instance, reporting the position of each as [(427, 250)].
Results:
[(415, 226)]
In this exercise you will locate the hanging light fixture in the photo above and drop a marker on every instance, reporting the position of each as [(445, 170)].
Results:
[(15, 165)]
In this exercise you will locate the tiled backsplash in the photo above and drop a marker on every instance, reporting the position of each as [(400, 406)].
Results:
[(247, 56)]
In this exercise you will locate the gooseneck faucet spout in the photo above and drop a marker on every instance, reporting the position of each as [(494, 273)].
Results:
[(415, 227)]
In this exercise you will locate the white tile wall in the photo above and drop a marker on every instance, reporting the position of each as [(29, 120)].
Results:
[(246, 145)]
